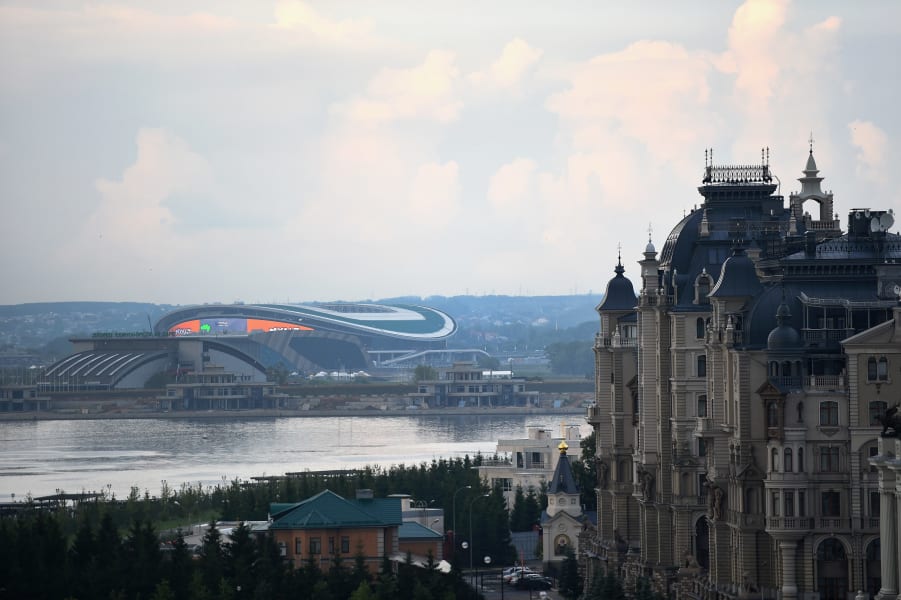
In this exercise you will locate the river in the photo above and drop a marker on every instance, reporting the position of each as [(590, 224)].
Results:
[(44, 457)]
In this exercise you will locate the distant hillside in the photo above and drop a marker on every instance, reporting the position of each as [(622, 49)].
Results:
[(497, 323)]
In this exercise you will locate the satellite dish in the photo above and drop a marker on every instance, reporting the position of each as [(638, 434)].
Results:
[(886, 221)]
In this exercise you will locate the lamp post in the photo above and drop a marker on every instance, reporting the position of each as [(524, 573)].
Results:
[(471, 503), (465, 487)]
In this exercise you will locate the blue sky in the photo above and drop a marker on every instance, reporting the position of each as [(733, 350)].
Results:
[(207, 151)]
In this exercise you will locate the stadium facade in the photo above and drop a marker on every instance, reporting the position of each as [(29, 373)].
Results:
[(249, 339), (739, 397)]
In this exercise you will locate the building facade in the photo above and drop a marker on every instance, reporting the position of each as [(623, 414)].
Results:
[(467, 384), (734, 430), (526, 463)]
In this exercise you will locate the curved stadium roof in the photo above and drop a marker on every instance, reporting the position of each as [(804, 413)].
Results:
[(409, 322)]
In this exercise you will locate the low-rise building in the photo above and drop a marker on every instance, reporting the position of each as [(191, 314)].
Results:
[(526, 463), (466, 384)]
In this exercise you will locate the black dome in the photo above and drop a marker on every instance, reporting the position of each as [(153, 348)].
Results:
[(784, 336), (620, 294), (738, 277)]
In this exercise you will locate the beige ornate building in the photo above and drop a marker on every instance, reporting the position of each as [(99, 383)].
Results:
[(735, 410)]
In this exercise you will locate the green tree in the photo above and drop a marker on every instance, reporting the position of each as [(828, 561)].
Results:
[(424, 373), (585, 472), (518, 518), (570, 584)]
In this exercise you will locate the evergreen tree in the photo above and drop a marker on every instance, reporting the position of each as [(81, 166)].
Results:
[(518, 518), (570, 584), (212, 557), (179, 569), (241, 554)]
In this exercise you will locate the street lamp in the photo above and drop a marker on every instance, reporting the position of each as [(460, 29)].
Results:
[(471, 503), (465, 487)]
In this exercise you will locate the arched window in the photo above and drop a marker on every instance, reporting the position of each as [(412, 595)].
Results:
[(786, 369), (829, 413), (772, 415), (774, 369), (800, 460), (871, 369), (699, 328), (787, 460), (882, 369), (774, 460), (702, 405), (702, 365), (800, 412)]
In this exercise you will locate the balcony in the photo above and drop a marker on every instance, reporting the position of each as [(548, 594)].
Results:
[(790, 523), (594, 414)]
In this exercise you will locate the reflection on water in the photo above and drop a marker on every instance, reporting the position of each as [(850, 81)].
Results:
[(41, 457)]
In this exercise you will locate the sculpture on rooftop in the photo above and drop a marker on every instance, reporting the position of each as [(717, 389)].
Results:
[(890, 420)]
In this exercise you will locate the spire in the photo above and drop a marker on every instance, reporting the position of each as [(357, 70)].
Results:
[(810, 183)]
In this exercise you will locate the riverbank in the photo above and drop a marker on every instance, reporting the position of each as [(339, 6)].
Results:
[(58, 415)]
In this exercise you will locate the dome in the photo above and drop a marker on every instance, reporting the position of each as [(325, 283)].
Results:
[(620, 294), (784, 336), (650, 249), (738, 277)]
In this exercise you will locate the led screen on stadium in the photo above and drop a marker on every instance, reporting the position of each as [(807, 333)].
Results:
[(225, 326)]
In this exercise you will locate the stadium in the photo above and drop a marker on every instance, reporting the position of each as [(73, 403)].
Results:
[(249, 340)]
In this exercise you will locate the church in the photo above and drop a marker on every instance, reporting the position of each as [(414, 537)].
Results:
[(741, 394)]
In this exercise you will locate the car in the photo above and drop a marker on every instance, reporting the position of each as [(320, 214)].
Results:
[(512, 574), (534, 581)]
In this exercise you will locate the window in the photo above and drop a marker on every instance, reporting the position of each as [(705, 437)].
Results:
[(789, 504), (315, 545), (829, 413), (874, 504), (703, 288), (702, 405), (772, 414), (298, 546), (702, 365), (871, 369), (829, 459), (787, 461), (800, 460), (882, 369), (331, 545), (802, 503), (504, 483), (774, 504), (282, 549), (831, 504), (699, 328), (345, 544), (774, 460), (877, 411), (702, 447)]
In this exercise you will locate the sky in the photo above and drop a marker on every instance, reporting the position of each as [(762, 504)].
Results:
[(192, 151)]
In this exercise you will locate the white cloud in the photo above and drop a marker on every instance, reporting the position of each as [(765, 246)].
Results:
[(872, 148), (300, 16), (426, 91), (508, 71)]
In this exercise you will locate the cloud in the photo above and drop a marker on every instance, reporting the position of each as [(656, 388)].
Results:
[(300, 16), (512, 185), (508, 71), (426, 91), (133, 226), (872, 147), (434, 199)]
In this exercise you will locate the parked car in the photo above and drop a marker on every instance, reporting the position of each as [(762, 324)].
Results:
[(512, 574), (534, 581)]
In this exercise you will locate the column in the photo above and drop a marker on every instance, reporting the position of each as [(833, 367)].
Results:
[(789, 569), (888, 533)]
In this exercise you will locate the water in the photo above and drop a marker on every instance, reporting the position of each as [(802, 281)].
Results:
[(42, 457)]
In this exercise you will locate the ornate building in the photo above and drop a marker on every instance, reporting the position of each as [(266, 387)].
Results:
[(734, 429)]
